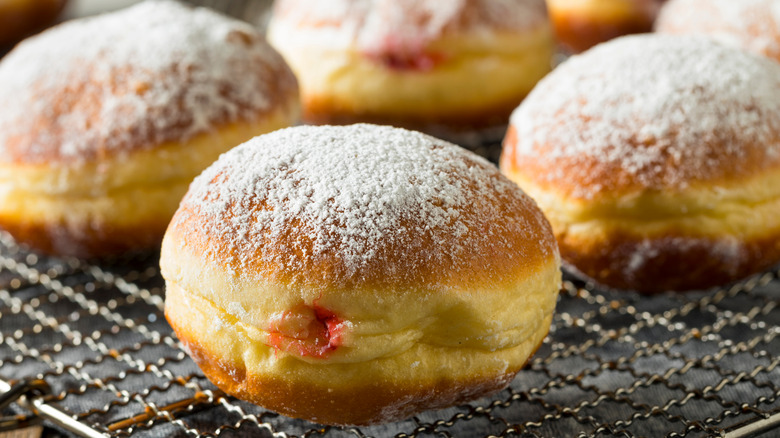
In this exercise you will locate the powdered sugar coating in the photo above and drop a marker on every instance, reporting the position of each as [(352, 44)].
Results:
[(649, 112), (361, 204), (155, 72), (750, 24), (379, 26)]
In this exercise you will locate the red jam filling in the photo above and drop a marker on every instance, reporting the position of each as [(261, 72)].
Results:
[(408, 61), (306, 331)]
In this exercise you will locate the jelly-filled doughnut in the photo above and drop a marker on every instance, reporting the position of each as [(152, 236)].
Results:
[(358, 274), (106, 121), (439, 66), (656, 160)]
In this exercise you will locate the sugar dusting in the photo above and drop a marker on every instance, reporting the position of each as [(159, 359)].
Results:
[(154, 72), (406, 25), (657, 112), (348, 194), (750, 24)]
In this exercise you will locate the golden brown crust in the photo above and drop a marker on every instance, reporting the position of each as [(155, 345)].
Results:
[(498, 259), (668, 244), (721, 152), (97, 98), (338, 403), (87, 240), (45, 130), (357, 405), (504, 236), (19, 18), (575, 172), (578, 30), (668, 262), (322, 111), (494, 262)]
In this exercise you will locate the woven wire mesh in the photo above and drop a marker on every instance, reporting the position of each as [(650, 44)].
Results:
[(615, 364)]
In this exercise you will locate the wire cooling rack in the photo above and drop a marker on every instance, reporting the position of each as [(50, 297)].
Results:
[(89, 349)]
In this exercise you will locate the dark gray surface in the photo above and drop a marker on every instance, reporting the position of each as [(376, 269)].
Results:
[(615, 364)]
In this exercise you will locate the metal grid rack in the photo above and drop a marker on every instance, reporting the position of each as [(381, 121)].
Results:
[(615, 364)]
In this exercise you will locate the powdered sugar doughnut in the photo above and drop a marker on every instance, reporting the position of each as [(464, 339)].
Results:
[(657, 161), (438, 66), (753, 25), (113, 116), (358, 274)]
